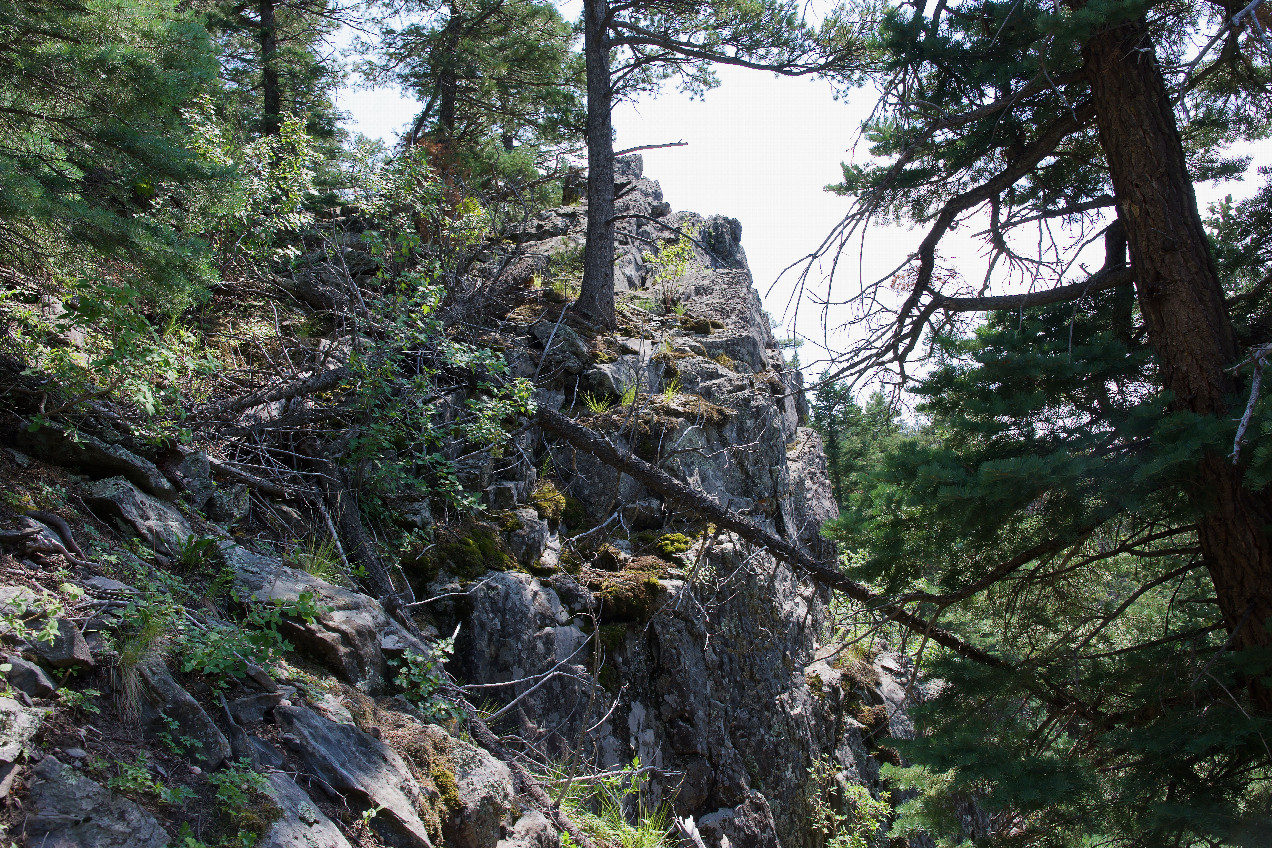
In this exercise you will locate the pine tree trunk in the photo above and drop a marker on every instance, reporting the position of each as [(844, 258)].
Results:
[(1182, 302), (273, 95), (447, 78), (596, 301)]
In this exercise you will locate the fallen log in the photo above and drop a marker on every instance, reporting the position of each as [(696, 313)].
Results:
[(661, 483)]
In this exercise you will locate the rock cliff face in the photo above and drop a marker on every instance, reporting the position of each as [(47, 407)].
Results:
[(714, 682), (595, 624)]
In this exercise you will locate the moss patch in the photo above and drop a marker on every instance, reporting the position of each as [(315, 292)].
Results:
[(628, 596), (466, 552), (874, 718), (574, 515), (548, 501), (701, 326), (671, 544)]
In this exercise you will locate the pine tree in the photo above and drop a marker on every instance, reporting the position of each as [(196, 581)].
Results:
[(96, 161), (634, 47), (495, 76), (1081, 511)]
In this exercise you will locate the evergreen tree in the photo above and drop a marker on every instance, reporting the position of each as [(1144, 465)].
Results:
[(96, 165), (276, 61), (633, 47), (1080, 510), (500, 84)]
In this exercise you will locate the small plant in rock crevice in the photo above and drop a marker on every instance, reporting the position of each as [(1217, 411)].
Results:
[(422, 678)]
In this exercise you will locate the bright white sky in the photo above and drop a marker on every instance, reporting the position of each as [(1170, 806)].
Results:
[(760, 149)]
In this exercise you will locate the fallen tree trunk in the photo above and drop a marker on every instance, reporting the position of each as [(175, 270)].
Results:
[(661, 483)]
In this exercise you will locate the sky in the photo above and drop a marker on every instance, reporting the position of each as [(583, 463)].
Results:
[(760, 148)]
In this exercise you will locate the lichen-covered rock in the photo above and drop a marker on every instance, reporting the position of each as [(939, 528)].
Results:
[(302, 824), (159, 525), (67, 810), (748, 825), (362, 767), (28, 677), (532, 830), (348, 629), (165, 700), (67, 650), (18, 726), (93, 456), (485, 794), (529, 538), (518, 628)]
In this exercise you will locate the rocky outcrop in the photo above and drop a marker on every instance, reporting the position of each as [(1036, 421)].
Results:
[(158, 524), (68, 809), (361, 767), (706, 668), (347, 631)]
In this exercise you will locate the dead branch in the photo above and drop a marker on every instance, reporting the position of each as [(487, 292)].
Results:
[(661, 483)]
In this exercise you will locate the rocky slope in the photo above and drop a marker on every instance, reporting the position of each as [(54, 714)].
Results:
[(594, 624)]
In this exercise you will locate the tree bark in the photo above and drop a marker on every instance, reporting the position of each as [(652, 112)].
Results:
[(1182, 302), (272, 89), (596, 300)]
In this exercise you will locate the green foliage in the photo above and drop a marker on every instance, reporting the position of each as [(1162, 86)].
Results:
[(422, 679), (501, 87), (846, 814), (597, 404), (1047, 442), (674, 259), (96, 168), (319, 557), (611, 811)]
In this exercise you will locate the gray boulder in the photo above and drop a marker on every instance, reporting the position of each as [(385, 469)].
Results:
[(29, 678), (67, 650), (18, 726), (530, 537), (302, 824), (230, 504), (485, 791), (193, 475), (362, 767), (94, 457), (67, 810), (166, 699), (532, 830), (748, 825), (158, 524), (348, 632)]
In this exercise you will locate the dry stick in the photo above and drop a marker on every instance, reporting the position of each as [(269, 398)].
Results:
[(61, 527), (318, 383), (526, 783)]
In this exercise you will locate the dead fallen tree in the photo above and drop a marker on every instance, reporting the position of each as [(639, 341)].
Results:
[(661, 483)]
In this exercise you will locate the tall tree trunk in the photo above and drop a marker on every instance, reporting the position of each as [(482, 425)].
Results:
[(596, 301), (273, 95), (448, 77), (1183, 307)]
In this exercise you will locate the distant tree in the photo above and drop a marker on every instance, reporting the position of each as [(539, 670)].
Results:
[(276, 60), (633, 47), (484, 68)]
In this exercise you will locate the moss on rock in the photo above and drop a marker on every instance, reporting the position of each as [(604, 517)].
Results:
[(548, 501), (466, 552)]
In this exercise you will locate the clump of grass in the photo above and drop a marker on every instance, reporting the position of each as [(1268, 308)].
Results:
[(611, 811), (672, 388), (597, 404), (318, 557), (629, 396), (138, 638)]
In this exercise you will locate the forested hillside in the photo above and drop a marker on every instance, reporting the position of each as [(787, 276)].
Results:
[(455, 491)]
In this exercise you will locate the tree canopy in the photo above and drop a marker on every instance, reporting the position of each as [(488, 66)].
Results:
[(1080, 503)]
